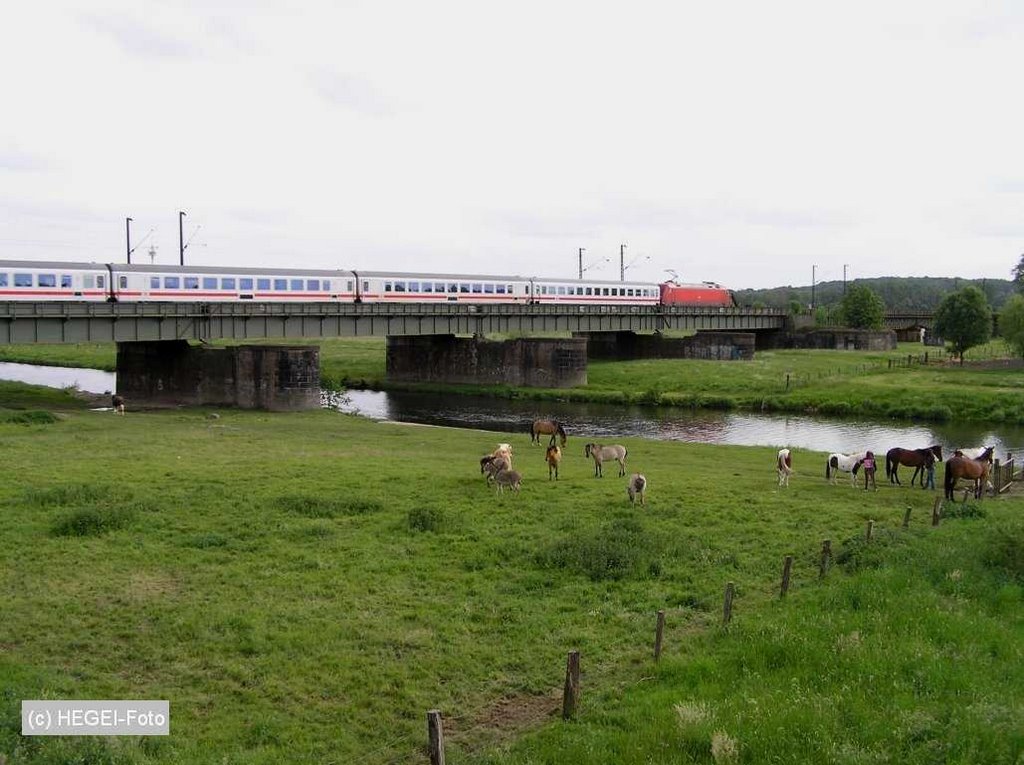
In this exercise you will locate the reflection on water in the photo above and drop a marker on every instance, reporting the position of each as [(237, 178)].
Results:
[(599, 421), (88, 380)]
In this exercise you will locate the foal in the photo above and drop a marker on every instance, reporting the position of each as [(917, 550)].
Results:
[(784, 466), (118, 403), (553, 456)]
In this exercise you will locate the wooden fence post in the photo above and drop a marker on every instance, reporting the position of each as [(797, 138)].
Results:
[(435, 733), (787, 567), (826, 553), (871, 528), (937, 511), (999, 478), (659, 631), (571, 694), (906, 519), (727, 610)]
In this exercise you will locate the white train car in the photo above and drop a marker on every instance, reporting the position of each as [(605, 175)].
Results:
[(422, 287), (592, 292), (40, 280), (230, 284)]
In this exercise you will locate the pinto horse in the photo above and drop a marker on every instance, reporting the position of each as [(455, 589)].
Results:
[(784, 466), (918, 459), (547, 428), (976, 470), (848, 463)]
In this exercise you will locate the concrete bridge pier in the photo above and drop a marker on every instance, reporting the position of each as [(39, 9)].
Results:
[(172, 372), (624, 346), (526, 362)]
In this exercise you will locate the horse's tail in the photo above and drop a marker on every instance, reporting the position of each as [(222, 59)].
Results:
[(947, 483), (888, 466), (828, 468)]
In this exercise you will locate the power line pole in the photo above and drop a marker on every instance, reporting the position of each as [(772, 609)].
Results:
[(128, 238), (181, 238), (845, 266), (581, 261), (622, 262), (814, 271)]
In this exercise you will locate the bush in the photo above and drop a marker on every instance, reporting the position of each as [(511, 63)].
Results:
[(619, 550), (426, 519), (92, 521), (1004, 551), (325, 507), (858, 553), (31, 417)]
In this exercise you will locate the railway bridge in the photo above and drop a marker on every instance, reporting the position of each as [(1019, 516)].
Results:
[(157, 362)]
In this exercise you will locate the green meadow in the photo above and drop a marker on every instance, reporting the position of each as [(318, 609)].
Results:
[(304, 587)]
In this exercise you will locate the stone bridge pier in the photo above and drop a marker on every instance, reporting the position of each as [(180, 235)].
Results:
[(173, 372)]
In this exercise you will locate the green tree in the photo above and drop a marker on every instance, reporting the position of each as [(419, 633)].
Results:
[(862, 308), (964, 319), (1018, 274), (1011, 323), (795, 307)]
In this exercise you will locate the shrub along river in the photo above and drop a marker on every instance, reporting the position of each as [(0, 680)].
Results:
[(603, 421)]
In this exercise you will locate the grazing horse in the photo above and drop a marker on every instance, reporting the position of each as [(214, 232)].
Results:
[(546, 428), (784, 466), (637, 488), (604, 454), (118, 403), (915, 458), (848, 463), (964, 467), (491, 466)]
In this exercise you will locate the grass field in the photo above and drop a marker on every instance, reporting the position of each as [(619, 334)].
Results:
[(304, 587)]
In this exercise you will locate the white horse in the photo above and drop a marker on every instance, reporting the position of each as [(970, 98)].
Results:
[(847, 463), (784, 466)]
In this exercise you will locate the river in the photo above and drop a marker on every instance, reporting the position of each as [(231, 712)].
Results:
[(602, 421)]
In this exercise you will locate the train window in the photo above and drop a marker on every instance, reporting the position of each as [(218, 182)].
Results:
[(101, 281), (399, 286), (561, 290), (366, 286), (154, 282), (263, 284), (313, 285), (428, 286), (227, 283), (629, 292), (88, 281), (488, 289), (589, 290), (464, 288), (414, 286), (326, 286), (387, 286), (500, 289), (349, 285), (46, 280), (438, 286), (478, 288), (65, 281), (122, 282), (191, 282), (3, 280), (23, 280), (297, 285), (209, 282), (245, 284), (170, 282), (281, 284)]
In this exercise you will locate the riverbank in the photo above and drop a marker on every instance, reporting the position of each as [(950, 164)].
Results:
[(872, 385), (257, 568)]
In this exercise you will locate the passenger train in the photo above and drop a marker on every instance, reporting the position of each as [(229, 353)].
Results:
[(115, 282)]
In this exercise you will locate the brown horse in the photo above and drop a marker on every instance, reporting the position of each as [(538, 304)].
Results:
[(918, 459), (547, 428), (977, 470)]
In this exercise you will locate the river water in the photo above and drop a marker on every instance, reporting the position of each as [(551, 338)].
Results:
[(601, 421)]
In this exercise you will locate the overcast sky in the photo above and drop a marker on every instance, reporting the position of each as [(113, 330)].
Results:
[(741, 142)]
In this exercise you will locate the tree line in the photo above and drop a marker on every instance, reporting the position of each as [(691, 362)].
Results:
[(963, 308)]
